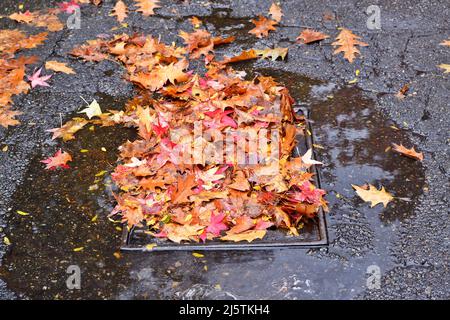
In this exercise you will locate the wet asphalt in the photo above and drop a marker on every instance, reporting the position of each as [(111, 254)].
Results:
[(408, 242)]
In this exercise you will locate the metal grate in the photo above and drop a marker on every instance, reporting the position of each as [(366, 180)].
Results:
[(313, 234)]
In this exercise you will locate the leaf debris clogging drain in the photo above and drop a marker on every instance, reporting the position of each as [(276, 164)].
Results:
[(313, 234)]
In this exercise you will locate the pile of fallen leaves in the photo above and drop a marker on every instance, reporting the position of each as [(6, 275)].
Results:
[(168, 182)]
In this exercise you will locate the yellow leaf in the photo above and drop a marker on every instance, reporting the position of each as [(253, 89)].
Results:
[(23, 213), (92, 110), (84, 150), (373, 195), (150, 246), (198, 255), (6, 241), (94, 218), (249, 236), (101, 173), (444, 66), (78, 249)]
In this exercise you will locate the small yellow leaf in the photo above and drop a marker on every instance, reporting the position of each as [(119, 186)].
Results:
[(84, 150), (6, 241), (353, 81), (5, 148), (373, 195), (150, 246), (23, 213), (101, 173), (444, 66), (198, 255), (117, 255), (103, 149), (78, 249), (94, 218)]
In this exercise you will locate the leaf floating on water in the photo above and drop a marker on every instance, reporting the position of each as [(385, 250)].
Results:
[(373, 195), (411, 153), (59, 160), (262, 27)]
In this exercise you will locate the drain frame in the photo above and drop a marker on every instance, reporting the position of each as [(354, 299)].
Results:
[(319, 222)]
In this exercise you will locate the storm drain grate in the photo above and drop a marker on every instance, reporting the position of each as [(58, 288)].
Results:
[(313, 234)]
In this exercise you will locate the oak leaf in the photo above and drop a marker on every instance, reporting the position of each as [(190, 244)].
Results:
[(7, 117), (120, 10), (411, 153), (147, 7), (273, 54), (25, 17), (373, 195), (275, 12), (347, 42), (445, 43)]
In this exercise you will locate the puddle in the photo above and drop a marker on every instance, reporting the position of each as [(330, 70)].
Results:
[(65, 215), (354, 136)]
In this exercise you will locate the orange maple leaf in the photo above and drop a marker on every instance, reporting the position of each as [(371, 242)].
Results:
[(262, 26), (184, 189)]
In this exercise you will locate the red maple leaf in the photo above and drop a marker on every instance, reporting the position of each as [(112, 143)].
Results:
[(59, 160), (69, 7), (309, 193), (216, 225)]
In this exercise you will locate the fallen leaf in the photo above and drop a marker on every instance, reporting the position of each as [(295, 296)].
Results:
[(411, 153), (58, 67), (347, 42), (445, 43), (67, 131), (25, 17), (309, 36), (196, 22), (444, 66), (275, 12), (7, 117), (59, 160), (373, 195), (184, 189), (92, 110), (198, 255), (249, 236), (262, 27), (307, 158), (273, 54), (22, 213), (36, 80), (147, 7), (120, 10), (245, 55)]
